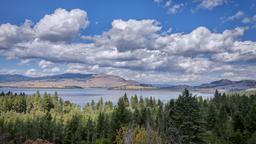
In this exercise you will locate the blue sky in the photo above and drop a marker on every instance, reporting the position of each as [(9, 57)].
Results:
[(154, 41)]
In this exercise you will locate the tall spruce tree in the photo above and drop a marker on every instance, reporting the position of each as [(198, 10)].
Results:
[(188, 119)]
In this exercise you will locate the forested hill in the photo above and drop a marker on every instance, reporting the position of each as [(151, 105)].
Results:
[(224, 119)]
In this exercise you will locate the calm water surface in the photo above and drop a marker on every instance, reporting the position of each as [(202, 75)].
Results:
[(83, 96)]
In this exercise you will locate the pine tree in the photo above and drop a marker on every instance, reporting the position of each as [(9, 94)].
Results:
[(121, 116), (72, 130), (126, 100), (89, 131), (188, 119), (134, 101), (100, 127), (136, 116), (211, 117), (22, 104)]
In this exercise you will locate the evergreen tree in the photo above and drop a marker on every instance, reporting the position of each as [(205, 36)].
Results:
[(89, 131), (211, 117), (72, 130), (101, 126), (134, 101), (188, 119), (126, 100), (121, 116)]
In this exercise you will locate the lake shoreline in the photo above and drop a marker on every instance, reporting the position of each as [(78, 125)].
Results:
[(83, 96)]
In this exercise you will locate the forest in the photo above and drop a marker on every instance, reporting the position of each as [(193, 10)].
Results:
[(226, 118)]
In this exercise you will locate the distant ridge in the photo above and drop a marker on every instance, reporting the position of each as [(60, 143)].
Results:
[(217, 83), (78, 76), (222, 85), (228, 85), (66, 80), (17, 78), (78, 80), (13, 78)]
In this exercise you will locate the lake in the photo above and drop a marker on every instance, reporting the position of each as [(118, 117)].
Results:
[(83, 96)]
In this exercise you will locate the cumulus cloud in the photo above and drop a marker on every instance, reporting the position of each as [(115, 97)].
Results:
[(137, 49), (129, 35), (62, 25), (45, 64), (194, 65), (31, 72), (48, 66), (199, 41), (54, 69), (12, 34), (241, 52)]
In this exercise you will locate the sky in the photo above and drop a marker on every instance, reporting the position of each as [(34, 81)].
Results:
[(150, 41)]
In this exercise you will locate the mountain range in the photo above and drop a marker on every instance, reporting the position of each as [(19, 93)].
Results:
[(77, 80), (221, 85), (228, 85), (66, 80)]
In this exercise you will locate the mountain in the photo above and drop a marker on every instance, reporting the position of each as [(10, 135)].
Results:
[(222, 82), (228, 85), (66, 80), (172, 87), (18, 78), (221, 85), (77, 80), (12, 78), (76, 76)]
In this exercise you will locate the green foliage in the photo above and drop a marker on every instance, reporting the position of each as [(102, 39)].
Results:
[(224, 119)]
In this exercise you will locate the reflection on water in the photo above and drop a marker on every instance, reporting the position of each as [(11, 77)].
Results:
[(83, 96)]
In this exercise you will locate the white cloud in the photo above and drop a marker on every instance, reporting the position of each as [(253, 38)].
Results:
[(62, 25), (250, 21), (199, 41), (240, 52), (246, 20), (228, 74), (49, 67), (171, 7), (45, 64), (24, 61), (157, 1), (12, 34), (236, 16), (175, 8), (194, 65), (128, 35), (76, 68), (210, 4), (55, 69), (31, 72), (125, 46), (132, 48)]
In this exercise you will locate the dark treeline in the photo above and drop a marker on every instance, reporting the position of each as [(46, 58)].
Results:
[(223, 119)]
